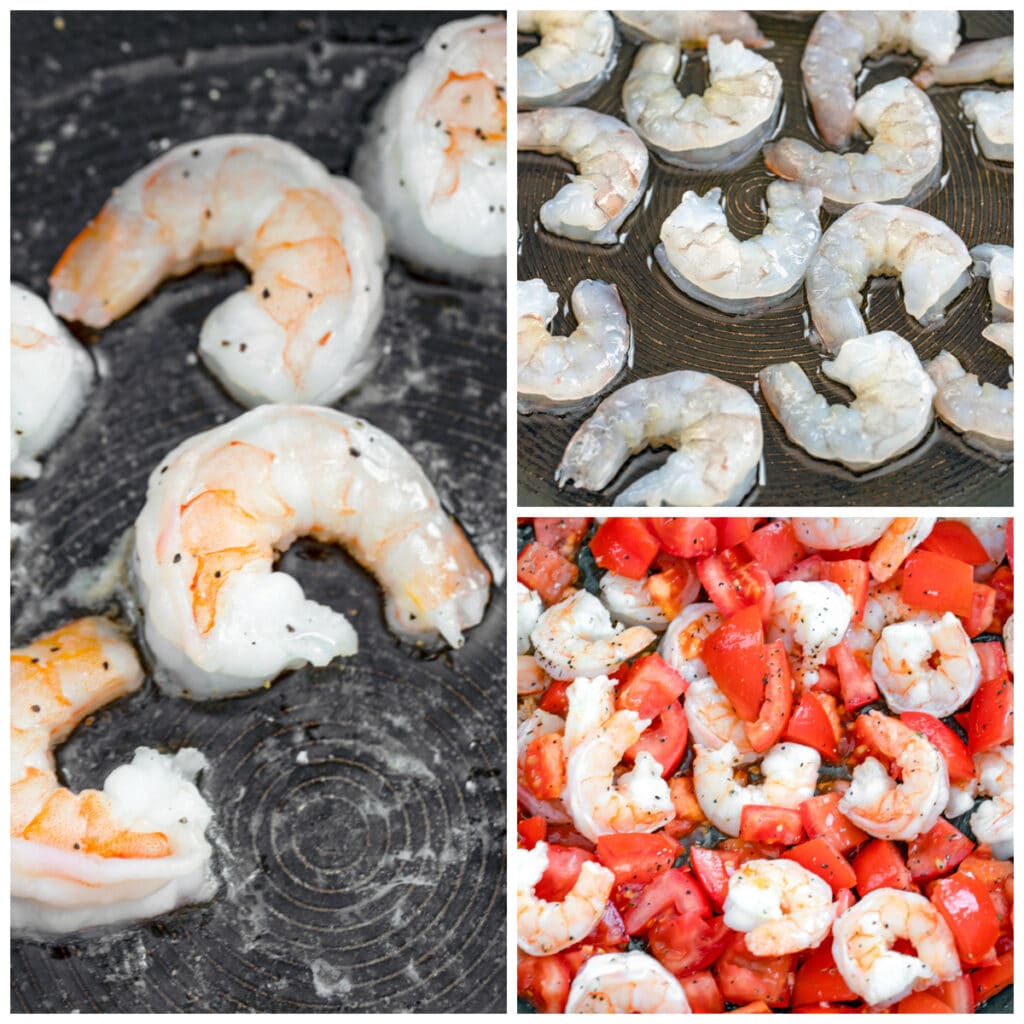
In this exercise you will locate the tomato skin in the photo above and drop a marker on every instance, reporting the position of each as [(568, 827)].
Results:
[(664, 739), (768, 824), (990, 720), (688, 942), (544, 981), (545, 571), (544, 766), (983, 610), (809, 724), (610, 931), (775, 548), (555, 700), (532, 831), (956, 994), (778, 698), (970, 913), (684, 799), (744, 978), (651, 686), (702, 992), (636, 856), (734, 655), (687, 537), (880, 865), (564, 866), (853, 575), (818, 979), (822, 818), (937, 583), (937, 851), (562, 535), (734, 584), (955, 540), (949, 745), (991, 980), (713, 869), (624, 546), (733, 530), (821, 857), (673, 890)]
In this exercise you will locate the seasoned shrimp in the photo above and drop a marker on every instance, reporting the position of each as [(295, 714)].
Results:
[(983, 413), (218, 619), (992, 822), (712, 720), (630, 602), (902, 163), (989, 60), (991, 533), (531, 678), (991, 113), (720, 129), (632, 982), (714, 426), (529, 607), (840, 532), (891, 411), (302, 330), (577, 637), (883, 607), (538, 723), (708, 262), (575, 55), (687, 29), (591, 704), (1008, 643), (887, 809), (557, 374), (810, 618), (841, 40), (863, 939), (782, 907), (929, 258), (686, 633), (612, 165), (135, 849), (899, 538), (547, 926)]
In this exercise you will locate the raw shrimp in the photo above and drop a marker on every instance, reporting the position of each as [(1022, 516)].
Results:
[(840, 532), (51, 375), (995, 262), (989, 60), (991, 113), (902, 163), (577, 637), (433, 163), (863, 939), (810, 618), (529, 607), (547, 926), (135, 849), (992, 822), (887, 809), (890, 414), (708, 262), (789, 774), (983, 413), (302, 330), (632, 982), (720, 129), (557, 374), (576, 54), (841, 40), (612, 165), (630, 602), (714, 426), (686, 633), (690, 28), (712, 720), (782, 907), (928, 257), (219, 507), (531, 678), (900, 537)]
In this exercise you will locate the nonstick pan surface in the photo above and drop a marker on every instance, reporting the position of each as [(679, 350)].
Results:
[(359, 825)]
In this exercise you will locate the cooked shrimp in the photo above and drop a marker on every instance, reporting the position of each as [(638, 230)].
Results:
[(714, 426), (900, 537), (991, 534), (575, 55), (891, 411), (1008, 643), (782, 907), (135, 849), (547, 926), (686, 633), (991, 113), (708, 262), (713, 721), (632, 982), (992, 822), (612, 165), (983, 413), (720, 129), (929, 258), (302, 330), (529, 607), (891, 810), (883, 607), (690, 28), (557, 374), (51, 375), (630, 602), (961, 797), (841, 40), (863, 937), (577, 637), (218, 619), (840, 532), (591, 704), (902, 163), (989, 60), (531, 678), (810, 618), (789, 773), (538, 723)]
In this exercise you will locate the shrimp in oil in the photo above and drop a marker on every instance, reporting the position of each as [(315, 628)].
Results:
[(982, 412), (991, 113), (632, 982)]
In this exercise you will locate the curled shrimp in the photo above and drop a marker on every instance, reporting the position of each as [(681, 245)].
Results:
[(928, 257), (992, 822), (891, 411), (530, 677), (982, 412), (810, 618), (840, 533), (557, 374), (898, 539), (591, 704), (681, 645), (714, 426), (218, 619), (991, 113), (719, 129), (612, 165), (538, 723), (883, 607), (632, 982), (135, 849), (529, 608), (630, 602), (302, 330), (712, 720), (687, 29), (989, 60), (709, 263)]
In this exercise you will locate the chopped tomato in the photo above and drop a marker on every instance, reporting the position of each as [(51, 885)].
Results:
[(818, 979), (684, 799), (734, 583), (745, 978), (808, 570), (822, 858), (544, 981), (949, 745), (937, 851), (880, 865), (778, 698), (651, 685), (991, 980), (664, 739), (564, 866), (922, 1002), (821, 817), (610, 930), (545, 571), (855, 680), (1001, 582), (544, 766), (810, 725), (956, 994), (733, 530), (673, 890), (636, 856), (702, 992), (992, 655), (970, 913), (853, 575), (713, 869), (562, 535), (775, 547), (734, 655), (624, 546), (686, 537), (990, 720), (768, 824), (758, 1006), (532, 831), (674, 587), (995, 875), (937, 583), (983, 610), (688, 942), (955, 540)]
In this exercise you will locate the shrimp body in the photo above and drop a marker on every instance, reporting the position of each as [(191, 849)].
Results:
[(530, 677), (218, 619), (714, 426), (538, 723), (709, 263), (631, 982), (900, 537), (591, 704), (1008, 643), (558, 374), (810, 618), (529, 607), (681, 645), (630, 602), (992, 822), (995, 262), (989, 60), (686, 29), (712, 720), (302, 330), (982, 412), (992, 116), (840, 532)]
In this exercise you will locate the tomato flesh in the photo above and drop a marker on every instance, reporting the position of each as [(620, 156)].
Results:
[(624, 546), (970, 913), (685, 537), (734, 655), (664, 739), (880, 865), (937, 851), (545, 571), (809, 724), (937, 583), (733, 583), (562, 535), (773, 715), (636, 856), (823, 859), (949, 745)]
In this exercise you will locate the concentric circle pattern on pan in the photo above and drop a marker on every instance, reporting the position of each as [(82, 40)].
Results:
[(359, 809), (674, 332)]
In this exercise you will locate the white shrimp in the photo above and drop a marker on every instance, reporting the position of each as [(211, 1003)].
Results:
[(983, 413), (612, 165), (719, 129), (789, 774), (632, 982), (810, 618), (929, 258), (433, 163), (883, 607), (840, 532), (577, 637), (547, 926), (714, 426), (962, 794), (887, 809), (780, 905), (706, 261), (992, 822), (863, 937), (575, 55), (995, 262), (591, 704), (530, 677), (302, 330), (988, 60), (713, 721), (841, 40), (558, 374), (686, 633), (690, 28), (1008, 643), (630, 602), (991, 113), (902, 163), (219, 507), (529, 607), (51, 374), (133, 850)]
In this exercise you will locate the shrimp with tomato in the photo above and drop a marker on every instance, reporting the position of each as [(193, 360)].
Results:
[(632, 982), (992, 822), (810, 618)]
